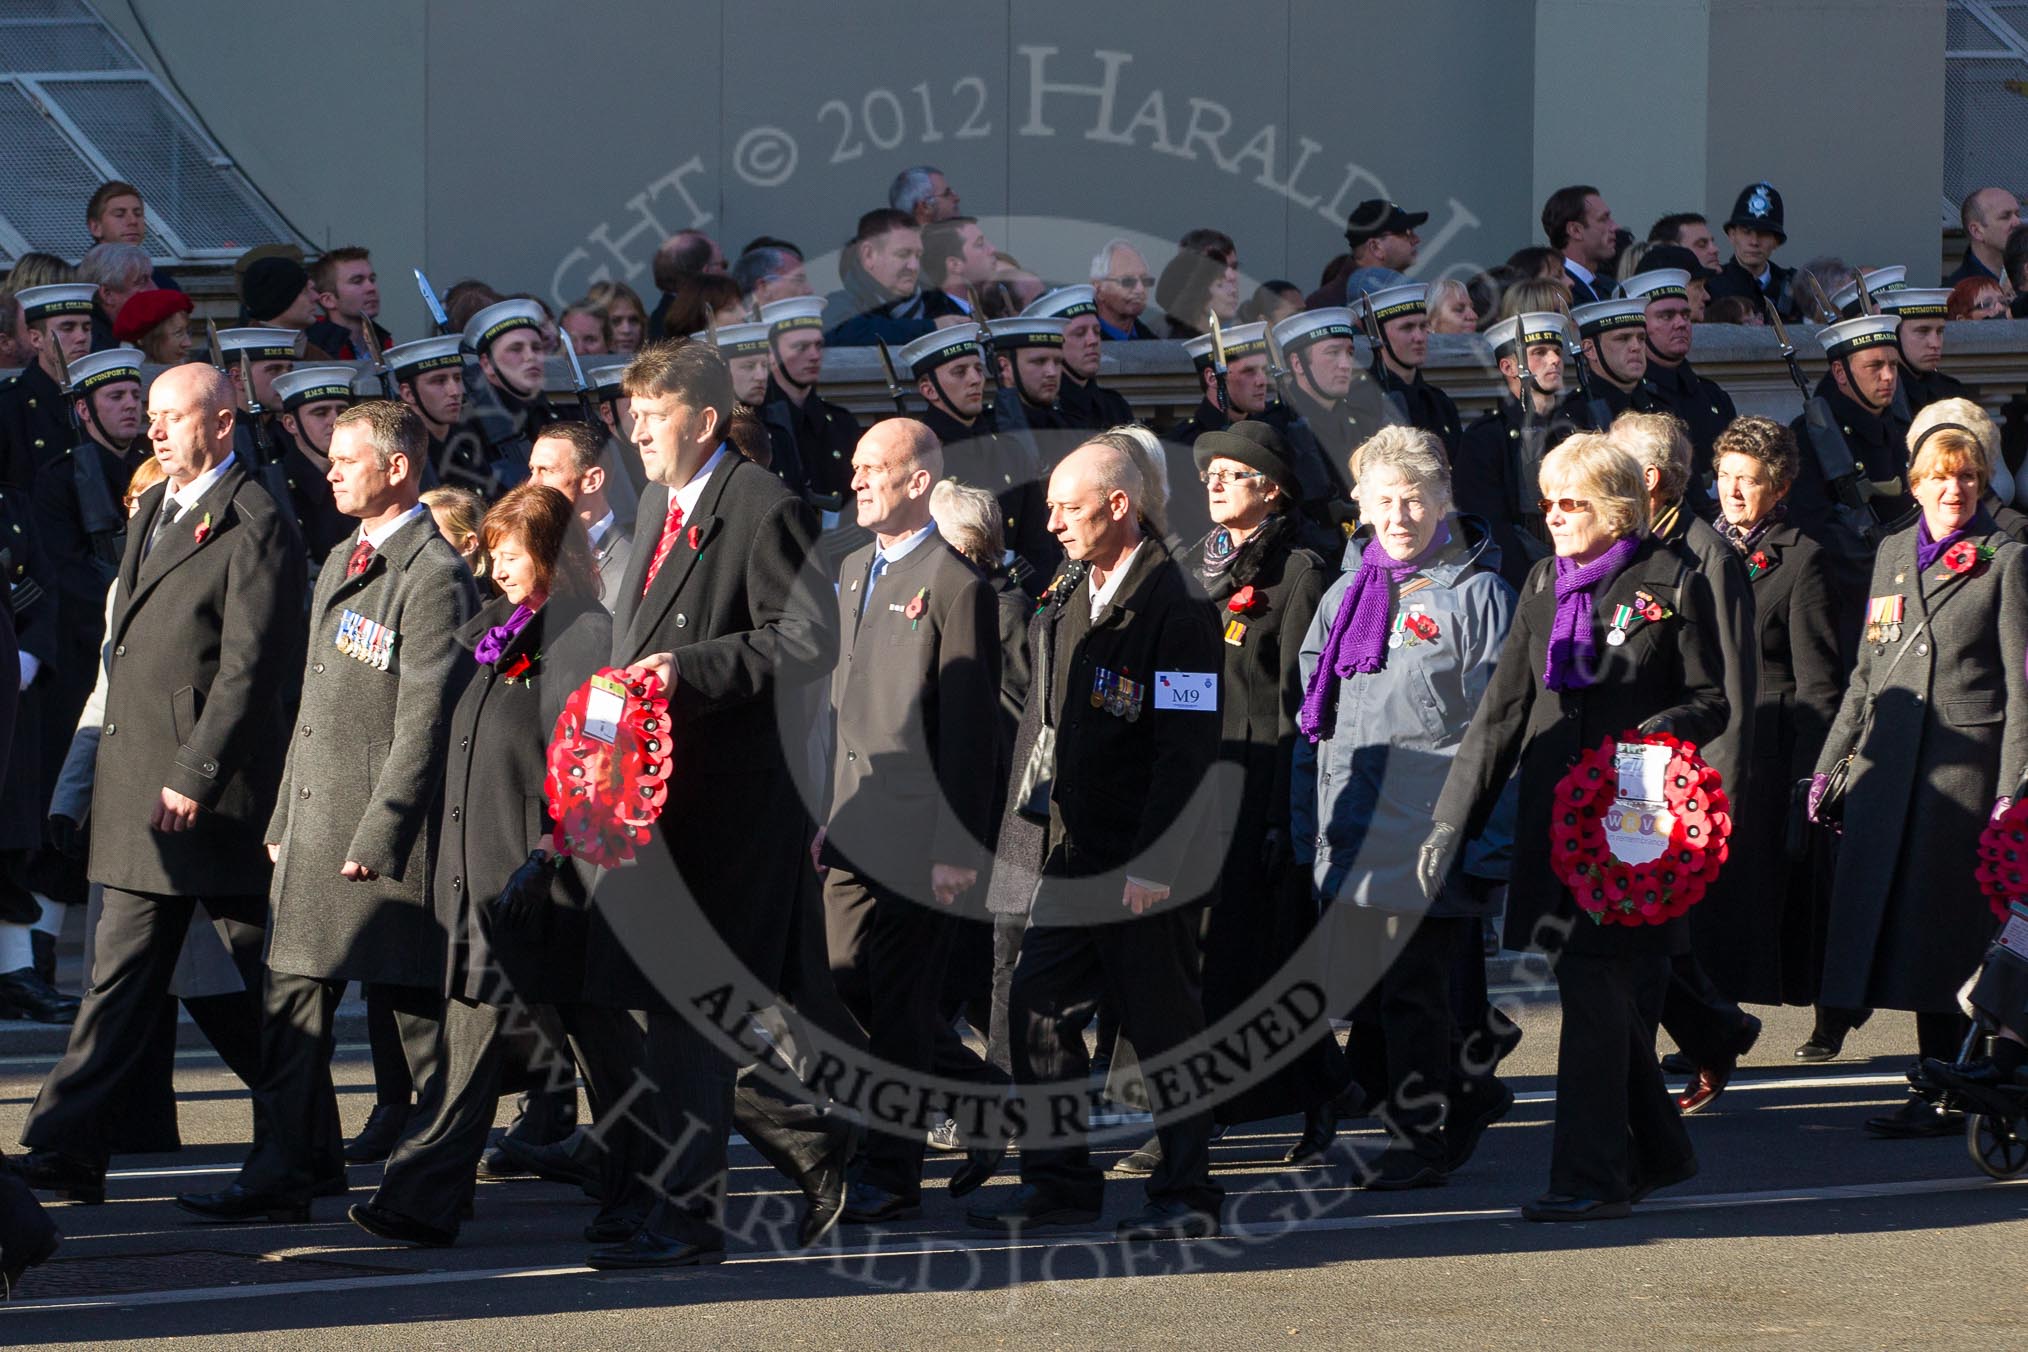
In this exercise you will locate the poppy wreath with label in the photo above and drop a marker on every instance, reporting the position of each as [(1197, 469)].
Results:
[(1613, 891), (2003, 859), (603, 796)]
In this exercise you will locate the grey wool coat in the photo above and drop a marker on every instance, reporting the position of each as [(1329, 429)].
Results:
[(1948, 733), (365, 766)]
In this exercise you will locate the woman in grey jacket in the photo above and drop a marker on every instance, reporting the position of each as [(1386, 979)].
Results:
[(1393, 666)]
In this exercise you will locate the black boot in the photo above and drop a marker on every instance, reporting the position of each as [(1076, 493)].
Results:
[(43, 945), (25, 995), (376, 1140)]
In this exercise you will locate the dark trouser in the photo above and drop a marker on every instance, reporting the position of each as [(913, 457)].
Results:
[(696, 1101), (431, 1174), (969, 991), (1941, 1033), (1616, 1124), (393, 1086), (887, 960), (133, 956), (1007, 932), (1401, 1041), (1703, 1022), (296, 1135), (1148, 968)]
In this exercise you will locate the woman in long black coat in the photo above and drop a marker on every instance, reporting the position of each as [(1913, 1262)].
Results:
[(514, 912), (1618, 1135), (1936, 722), (1768, 938)]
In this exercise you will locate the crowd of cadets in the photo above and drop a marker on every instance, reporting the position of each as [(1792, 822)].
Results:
[(1003, 371)]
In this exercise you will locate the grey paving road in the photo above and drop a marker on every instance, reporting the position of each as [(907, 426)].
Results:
[(1800, 1231)]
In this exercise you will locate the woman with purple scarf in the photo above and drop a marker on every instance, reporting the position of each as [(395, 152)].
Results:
[(1617, 631), (1935, 721), (1393, 665)]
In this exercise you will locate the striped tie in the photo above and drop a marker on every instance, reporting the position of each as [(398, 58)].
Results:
[(671, 528)]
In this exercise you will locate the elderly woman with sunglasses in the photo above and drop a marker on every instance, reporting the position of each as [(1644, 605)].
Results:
[(1565, 683)]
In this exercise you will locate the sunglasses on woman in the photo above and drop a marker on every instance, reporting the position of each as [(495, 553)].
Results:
[(1567, 506)]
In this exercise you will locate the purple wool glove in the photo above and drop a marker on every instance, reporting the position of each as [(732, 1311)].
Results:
[(1818, 785)]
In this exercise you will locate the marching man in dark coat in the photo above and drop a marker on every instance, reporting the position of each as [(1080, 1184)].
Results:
[(207, 620), (354, 829), (916, 700)]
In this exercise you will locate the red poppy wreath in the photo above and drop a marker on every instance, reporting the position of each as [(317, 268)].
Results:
[(604, 793), (1696, 818), (2003, 859)]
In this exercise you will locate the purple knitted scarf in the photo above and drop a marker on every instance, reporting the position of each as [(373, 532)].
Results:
[(1928, 551), (1358, 638), (1572, 655), (493, 645)]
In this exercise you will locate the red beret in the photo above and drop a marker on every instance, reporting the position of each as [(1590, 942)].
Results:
[(145, 309)]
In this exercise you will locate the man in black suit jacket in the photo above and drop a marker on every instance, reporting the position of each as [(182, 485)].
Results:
[(569, 457), (207, 624), (721, 604), (1580, 226), (916, 696)]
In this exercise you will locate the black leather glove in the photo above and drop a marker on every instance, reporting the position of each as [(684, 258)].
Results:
[(1650, 726), (525, 900), (65, 835), (1433, 863), (1275, 853)]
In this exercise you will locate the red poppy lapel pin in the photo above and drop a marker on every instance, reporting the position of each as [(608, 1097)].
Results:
[(1244, 601), (203, 529)]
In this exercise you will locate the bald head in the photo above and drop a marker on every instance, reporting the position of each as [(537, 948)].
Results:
[(1989, 215), (1094, 504), (894, 466), (190, 418)]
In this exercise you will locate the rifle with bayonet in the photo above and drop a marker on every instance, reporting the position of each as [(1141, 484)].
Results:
[(894, 390), (380, 369), (1848, 486), (105, 525), (1393, 401), (497, 431), (267, 456), (1596, 409), (587, 401), (1218, 366)]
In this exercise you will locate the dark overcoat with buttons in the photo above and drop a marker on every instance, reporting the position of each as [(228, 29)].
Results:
[(29, 587), (206, 636), (34, 424), (1671, 668), (495, 812), (751, 624), (365, 767), (1706, 410), (1948, 733)]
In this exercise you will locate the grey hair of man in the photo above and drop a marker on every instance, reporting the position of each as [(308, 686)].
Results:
[(755, 266), (1102, 261), (1144, 448), (912, 187), (1416, 457), (1660, 442), (969, 520), (124, 267)]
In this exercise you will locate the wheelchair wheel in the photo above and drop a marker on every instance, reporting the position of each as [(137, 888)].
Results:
[(1998, 1145)]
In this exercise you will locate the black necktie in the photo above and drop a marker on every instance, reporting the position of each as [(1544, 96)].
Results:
[(164, 518)]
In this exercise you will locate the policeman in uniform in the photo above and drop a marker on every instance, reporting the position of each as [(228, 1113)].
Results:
[(821, 433), (34, 423), (1400, 315), (506, 338), (312, 398), (1858, 395), (1497, 460), (1081, 402), (1664, 284), (264, 447), (951, 377), (1614, 335), (1755, 230)]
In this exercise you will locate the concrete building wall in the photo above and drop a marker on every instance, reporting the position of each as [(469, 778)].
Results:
[(544, 145)]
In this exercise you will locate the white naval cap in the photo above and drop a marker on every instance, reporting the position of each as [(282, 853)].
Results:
[(262, 343), (1065, 302), (1657, 284), (105, 368), (1527, 330), (425, 354), (485, 328), (1299, 331), (796, 312), (1856, 335), (938, 347), (1241, 340), (1603, 316), (1878, 281), (58, 298), (1026, 331), (313, 385), (1915, 302), (1392, 302), (736, 340)]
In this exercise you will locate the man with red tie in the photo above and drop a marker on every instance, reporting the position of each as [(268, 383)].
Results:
[(353, 833), (725, 604)]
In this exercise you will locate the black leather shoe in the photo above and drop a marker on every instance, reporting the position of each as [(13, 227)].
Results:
[(1400, 1170), (1667, 1178), (867, 1204), (612, 1229), (981, 1163), (1704, 1088), (1675, 1063), (1916, 1119), (1745, 1036), (1312, 1149), (1143, 1161), (646, 1249), (1561, 1206), (334, 1185), (1982, 1074), (1027, 1207), (1168, 1220), (1481, 1104), (376, 1140), (557, 1162), (1821, 1047), (235, 1203), (824, 1187), (378, 1220), (25, 995), (52, 1171)]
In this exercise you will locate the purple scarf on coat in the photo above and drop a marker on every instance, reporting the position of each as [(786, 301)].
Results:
[(493, 645), (1572, 655), (1358, 639), (1928, 551)]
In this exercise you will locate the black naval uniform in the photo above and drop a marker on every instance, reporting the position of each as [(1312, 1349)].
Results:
[(34, 424), (1879, 446), (1734, 280), (1919, 389), (503, 427), (1706, 409), (1006, 466), (818, 435), (1429, 408), (303, 492), (1090, 406), (1576, 408), (1495, 480), (31, 595)]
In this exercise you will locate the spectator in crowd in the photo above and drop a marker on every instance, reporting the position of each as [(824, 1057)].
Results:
[(589, 327), (118, 271), (466, 298), (38, 269), (878, 299), (1013, 288), (1537, 263), (348, 290), (1630, 260), (770, 273), (276, 293), (1989, 216), (1687, 230), (116, 215), (1734, 310), (1450, 307), (1815, 283), (1272, 301), (1121, 285), (958, 263), (458, 513), (2015, 269), (923, 195), (1383, 247), (701, 301), (157, 322), (1202, 279), (772, 242), (1755, 230), (1581, 228), (684, 255), (13, 339), (624, 310), (1976, 298)]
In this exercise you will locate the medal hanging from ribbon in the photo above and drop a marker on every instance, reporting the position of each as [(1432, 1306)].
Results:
[(1623, 616), (608, 767)]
